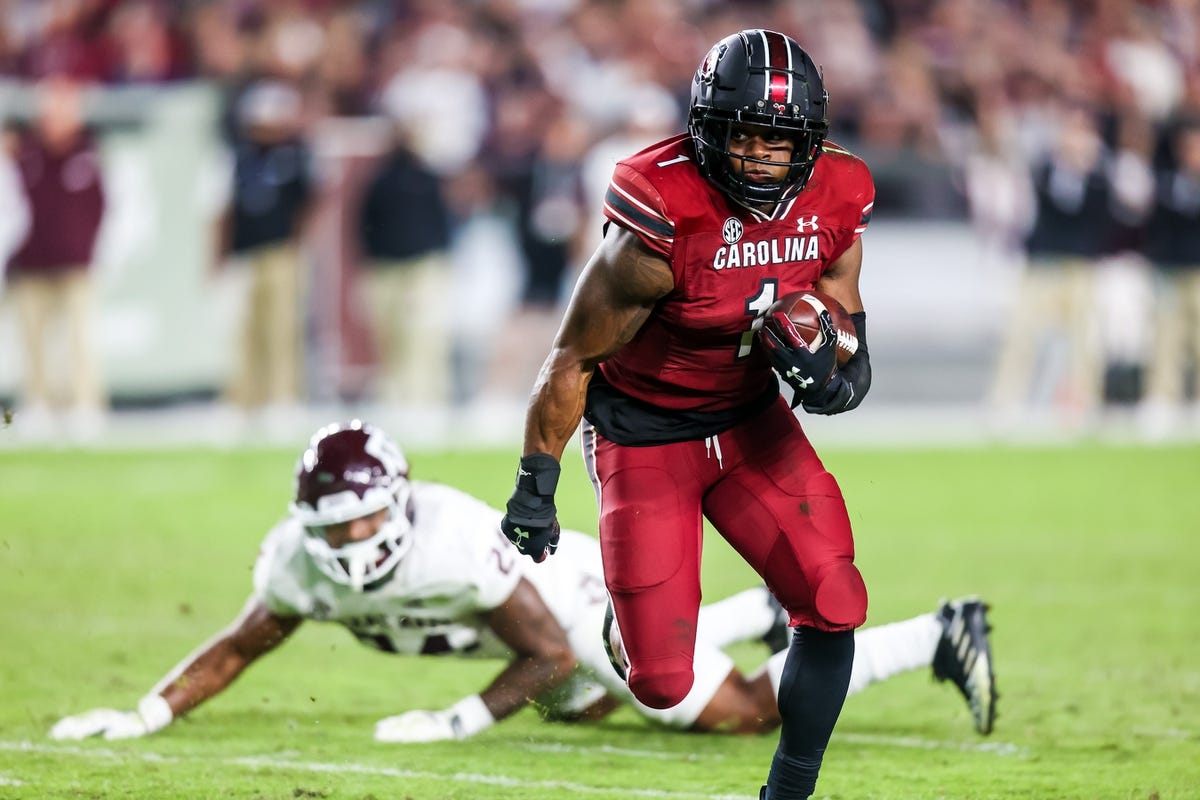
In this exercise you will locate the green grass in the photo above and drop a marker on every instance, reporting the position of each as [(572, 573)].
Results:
[(115, 565)]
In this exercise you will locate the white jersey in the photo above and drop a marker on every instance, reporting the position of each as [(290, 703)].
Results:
[(460, 566)]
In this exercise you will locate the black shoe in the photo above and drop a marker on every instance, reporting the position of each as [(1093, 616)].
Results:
[(613, 645), (964, 656), (779, 636)]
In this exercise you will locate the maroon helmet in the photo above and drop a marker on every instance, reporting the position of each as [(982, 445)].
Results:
[(351, 471)]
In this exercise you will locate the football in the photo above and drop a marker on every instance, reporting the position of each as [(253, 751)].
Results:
[(804, 308)]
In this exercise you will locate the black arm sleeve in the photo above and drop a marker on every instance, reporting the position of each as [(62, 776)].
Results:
[(858, 369)]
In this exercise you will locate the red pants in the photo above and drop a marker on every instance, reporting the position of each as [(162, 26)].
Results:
[(764, 489)]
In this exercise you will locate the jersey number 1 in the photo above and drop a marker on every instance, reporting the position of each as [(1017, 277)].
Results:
[(756, 307)]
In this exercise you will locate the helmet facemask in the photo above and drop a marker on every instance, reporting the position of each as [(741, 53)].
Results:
[(364, 564), (711, 134)]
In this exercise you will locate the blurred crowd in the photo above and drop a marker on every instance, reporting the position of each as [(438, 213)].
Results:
[(1064, 130)]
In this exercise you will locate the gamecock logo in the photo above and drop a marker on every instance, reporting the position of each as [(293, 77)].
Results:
[(708, 67)]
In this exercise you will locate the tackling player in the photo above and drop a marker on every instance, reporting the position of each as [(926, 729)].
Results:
[(416, 567), (668, 351)]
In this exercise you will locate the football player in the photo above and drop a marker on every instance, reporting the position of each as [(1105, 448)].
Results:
[(416, 567), (671, 347)]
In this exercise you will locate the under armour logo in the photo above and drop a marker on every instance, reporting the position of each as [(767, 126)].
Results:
[(803, 224), (794, 374), (522, 535)]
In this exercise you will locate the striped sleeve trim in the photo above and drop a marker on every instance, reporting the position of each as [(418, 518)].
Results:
[(865, 220), (637, 216)]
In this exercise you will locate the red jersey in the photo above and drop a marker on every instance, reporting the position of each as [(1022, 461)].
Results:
[(695, 353)]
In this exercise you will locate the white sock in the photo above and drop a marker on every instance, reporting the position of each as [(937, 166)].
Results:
[(744, 616), (881, 652)]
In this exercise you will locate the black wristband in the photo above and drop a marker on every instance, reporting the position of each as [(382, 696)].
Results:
[(538, 474)]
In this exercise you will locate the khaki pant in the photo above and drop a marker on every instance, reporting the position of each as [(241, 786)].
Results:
[(1052, 297), (47, 308), (1176, 335), (270, 345), (410, 318)]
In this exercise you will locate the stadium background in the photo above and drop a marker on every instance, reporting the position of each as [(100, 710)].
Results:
[(906, 82), (120, 552)]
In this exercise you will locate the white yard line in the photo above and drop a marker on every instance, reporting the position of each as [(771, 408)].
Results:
[(275, 762), (608, 750), (907, 742), (470, 777), (285, 763), (1163, 733), (913, 742)]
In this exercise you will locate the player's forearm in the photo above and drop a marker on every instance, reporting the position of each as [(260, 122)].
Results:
[(524, 679), (204, 673), (215, 664), (557, 404), (203, 676)]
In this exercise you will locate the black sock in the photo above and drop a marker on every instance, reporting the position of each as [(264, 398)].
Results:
[(811, 692)]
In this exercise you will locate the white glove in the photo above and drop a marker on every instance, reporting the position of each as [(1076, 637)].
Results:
[(465, 718), (153, 713), (415, 726)]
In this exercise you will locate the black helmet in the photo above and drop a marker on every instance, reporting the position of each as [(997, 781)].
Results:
[(757, 77)]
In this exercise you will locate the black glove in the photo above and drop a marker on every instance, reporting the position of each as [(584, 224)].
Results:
[(850, 383), (806, 371), (833, 399), (532, 521)]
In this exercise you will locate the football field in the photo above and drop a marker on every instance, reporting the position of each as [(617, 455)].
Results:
[(114, 565)]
